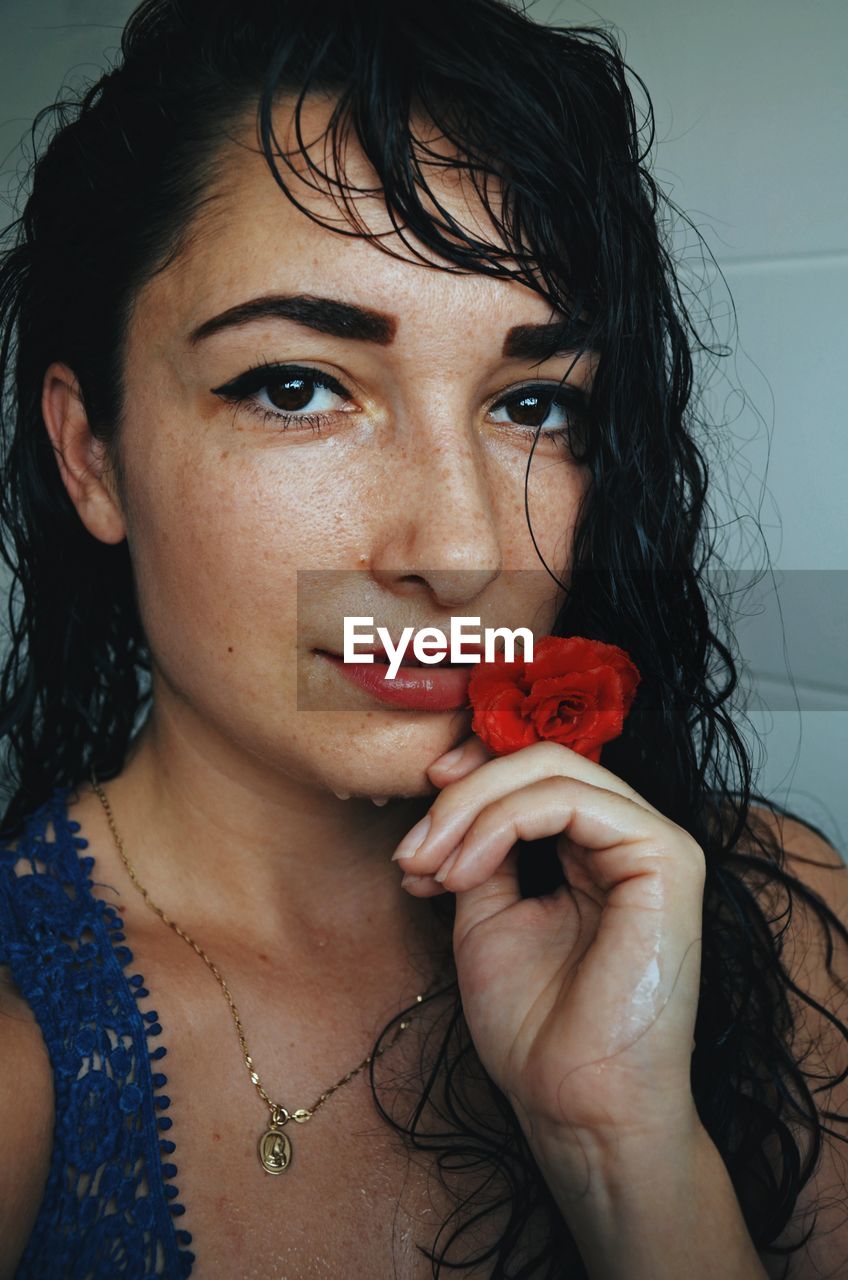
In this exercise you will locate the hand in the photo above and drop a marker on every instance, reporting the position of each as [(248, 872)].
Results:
[(582, 1003)]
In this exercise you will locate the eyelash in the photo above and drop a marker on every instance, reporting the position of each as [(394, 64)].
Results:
[(242, 390)]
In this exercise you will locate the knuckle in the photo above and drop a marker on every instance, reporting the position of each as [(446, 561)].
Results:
[(684, 853), (685, 844), (556, 752), (494, 816)]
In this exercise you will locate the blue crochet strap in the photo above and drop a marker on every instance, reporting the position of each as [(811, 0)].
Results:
[(110, 1202)]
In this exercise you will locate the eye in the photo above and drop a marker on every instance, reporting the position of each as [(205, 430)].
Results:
[(288, 394), (548, 408)]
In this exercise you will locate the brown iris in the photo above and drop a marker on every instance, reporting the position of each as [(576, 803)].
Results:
[(528, 408), (291, 394)]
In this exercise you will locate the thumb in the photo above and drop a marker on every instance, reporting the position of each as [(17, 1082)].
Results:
[(459, 761)]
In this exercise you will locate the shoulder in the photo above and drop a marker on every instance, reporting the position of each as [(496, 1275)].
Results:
[(798, 839), (815, 959), (26, 1122), (812, 864)]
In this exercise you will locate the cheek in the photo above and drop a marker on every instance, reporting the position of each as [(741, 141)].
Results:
[(555, 489), (216, 542)]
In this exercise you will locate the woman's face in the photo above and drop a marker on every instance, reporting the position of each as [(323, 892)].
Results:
[(396, 479)]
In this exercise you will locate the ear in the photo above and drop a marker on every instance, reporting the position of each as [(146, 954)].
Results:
[(82, 459)]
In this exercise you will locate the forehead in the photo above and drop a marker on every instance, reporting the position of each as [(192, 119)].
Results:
[(249, 238), (323, 173)]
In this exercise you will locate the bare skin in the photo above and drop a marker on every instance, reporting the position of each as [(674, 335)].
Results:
[(228, 803)]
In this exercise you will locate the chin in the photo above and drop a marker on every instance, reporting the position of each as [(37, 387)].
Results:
[(366, 780), (388, 755)]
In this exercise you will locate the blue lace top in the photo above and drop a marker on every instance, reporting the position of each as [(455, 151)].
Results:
[(110, 1206)]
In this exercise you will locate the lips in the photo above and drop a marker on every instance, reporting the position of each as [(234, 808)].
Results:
[(416, 687), (409, 658)]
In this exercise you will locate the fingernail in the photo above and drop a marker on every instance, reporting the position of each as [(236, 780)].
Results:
[(410, 879), (412, 841), (447, 864), (450, 760)]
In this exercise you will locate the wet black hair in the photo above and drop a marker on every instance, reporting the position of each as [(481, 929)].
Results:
[(544, 121)]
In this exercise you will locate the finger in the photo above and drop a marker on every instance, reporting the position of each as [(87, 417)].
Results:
[(459, 761), (482, 901), (422, 886), (614, 838), (425, 847), (502, 890)]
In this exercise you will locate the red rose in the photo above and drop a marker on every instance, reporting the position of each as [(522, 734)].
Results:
[(575, 691)]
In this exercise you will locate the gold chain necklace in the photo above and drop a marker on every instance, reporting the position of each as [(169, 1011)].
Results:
[(274, 1146)]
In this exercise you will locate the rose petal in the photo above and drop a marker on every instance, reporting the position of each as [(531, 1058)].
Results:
[(499, 722), (576, 691)]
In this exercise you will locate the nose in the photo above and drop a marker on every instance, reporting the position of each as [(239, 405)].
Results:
[(441, 523)]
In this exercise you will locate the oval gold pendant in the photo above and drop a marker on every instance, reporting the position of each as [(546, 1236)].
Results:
[(275, 1151)]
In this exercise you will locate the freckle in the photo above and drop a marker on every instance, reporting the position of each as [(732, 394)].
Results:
[(262, 955), (229, 648), (225, 454)]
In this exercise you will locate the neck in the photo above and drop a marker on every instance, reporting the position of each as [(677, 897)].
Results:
[(294, 866)]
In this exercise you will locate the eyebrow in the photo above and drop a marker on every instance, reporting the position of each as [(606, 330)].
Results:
[(346, 320), (543, 341), (326, 315)]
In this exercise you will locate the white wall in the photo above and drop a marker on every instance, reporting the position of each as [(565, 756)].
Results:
[(751, 101), (751, 104)]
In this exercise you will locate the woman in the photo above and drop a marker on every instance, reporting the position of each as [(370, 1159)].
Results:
[(363, 311)]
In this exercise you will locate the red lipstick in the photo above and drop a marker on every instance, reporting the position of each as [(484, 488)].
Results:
[(436, 687)]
